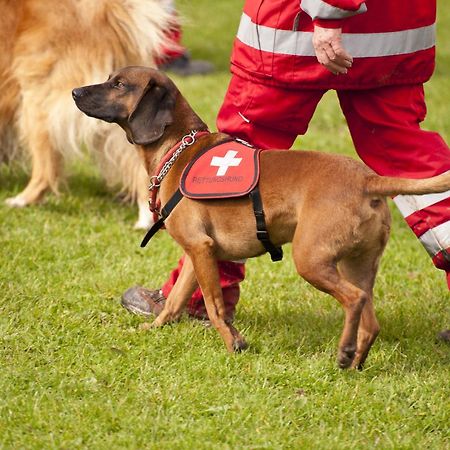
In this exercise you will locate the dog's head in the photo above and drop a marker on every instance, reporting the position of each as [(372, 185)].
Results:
[(141, 100)]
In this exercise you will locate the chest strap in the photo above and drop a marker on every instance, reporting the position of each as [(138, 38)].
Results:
[(276, 253), (165, 211)]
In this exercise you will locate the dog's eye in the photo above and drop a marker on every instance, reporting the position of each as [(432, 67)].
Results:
[(119, 85)]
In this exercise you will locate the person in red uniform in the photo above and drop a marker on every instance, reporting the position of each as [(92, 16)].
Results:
[(175, 57), (376, 54)]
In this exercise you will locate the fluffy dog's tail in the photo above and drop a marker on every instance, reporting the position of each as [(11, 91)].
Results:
[(389, 186)]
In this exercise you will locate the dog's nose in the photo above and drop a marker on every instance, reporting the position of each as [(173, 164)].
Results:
[(77, 93)]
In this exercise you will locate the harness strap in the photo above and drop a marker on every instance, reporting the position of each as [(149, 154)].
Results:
[(165, 211), (276, 253)]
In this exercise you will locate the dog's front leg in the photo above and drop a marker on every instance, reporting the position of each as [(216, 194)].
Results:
[(207, 273), (181, 292), (46, 164)]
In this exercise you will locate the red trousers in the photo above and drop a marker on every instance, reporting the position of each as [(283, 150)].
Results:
[(385, 127)]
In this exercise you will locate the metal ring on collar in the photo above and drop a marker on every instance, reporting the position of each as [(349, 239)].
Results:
[(153, 184), (189, 139)]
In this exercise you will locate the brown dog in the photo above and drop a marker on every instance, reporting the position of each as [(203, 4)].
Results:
[(338, 228), (46, 48)]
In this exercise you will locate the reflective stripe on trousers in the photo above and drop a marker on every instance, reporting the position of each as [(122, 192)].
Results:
[(419, 210)]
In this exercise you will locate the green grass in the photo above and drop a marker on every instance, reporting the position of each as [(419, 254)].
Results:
[(76, 371)]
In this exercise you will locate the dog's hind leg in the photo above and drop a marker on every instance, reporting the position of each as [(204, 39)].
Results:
[(317, 266), (362, 271), (367, 333), (46, 170)]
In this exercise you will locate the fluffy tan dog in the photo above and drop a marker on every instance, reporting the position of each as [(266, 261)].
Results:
[(46, 48)]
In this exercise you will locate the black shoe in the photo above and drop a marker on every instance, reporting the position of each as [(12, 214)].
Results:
[(184, 66), (139, 300)]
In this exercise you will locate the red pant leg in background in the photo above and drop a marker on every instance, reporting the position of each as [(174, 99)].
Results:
[(231, 274), (384, 124), (267, 117)]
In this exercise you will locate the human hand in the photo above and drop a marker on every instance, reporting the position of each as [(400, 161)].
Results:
[(330, 53)]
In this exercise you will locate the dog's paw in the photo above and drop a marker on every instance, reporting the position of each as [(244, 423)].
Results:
[(357, 366), (160, 321), (239, 345), (145, 326), (16, 202), (346, 356)]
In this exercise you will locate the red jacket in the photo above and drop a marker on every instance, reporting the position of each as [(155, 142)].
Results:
[(391, 41)]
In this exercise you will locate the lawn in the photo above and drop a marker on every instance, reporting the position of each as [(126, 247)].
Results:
[(77, 372)]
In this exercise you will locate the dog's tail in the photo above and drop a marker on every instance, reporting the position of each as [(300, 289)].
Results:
[(389, 186)]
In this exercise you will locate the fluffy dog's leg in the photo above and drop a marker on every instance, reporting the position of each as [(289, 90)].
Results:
[(9, 104), (145, 219), (47, 165)]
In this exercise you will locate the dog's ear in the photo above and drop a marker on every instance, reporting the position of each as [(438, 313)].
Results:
[(151, 114)]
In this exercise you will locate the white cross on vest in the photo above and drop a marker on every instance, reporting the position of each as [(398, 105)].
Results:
[(223, 163)]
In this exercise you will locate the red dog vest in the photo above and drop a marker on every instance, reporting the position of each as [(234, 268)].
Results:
[(226, 170), (230, 169)]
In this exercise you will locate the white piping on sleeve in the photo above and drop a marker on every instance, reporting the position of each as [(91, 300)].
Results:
[(318, 9), (359, 45)]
